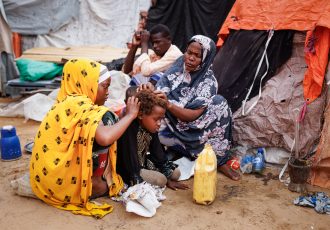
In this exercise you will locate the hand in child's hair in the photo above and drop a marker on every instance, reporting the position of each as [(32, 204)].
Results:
[(163, 96), (175, 185), (148, 85), (160, 94), (132, 107)]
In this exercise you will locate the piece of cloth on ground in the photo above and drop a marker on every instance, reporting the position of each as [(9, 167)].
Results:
[(143, 199), (22, 187), (34, 107), (318, 200), (186, 167)]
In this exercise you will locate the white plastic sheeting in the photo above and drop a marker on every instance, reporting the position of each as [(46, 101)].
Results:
[(39, 16), (34, 107), (100, 22)]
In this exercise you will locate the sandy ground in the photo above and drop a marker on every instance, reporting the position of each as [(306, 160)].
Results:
[(253, 203)]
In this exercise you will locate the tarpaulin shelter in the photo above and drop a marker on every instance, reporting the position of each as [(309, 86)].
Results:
[(186, 18), (312, 16), (269, 121), (64, 24), (8, 69)]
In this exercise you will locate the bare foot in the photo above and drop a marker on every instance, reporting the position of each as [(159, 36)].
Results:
[(99, 187), (227, 171)]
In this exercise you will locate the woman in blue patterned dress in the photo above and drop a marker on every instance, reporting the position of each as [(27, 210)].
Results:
[(195, 113)]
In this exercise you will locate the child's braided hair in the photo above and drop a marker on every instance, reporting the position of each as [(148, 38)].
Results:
[(148, 100)]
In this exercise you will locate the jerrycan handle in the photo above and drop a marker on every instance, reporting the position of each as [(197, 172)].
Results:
[(207, 148)]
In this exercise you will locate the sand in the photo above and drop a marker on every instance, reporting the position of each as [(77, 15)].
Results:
[(255, 202)]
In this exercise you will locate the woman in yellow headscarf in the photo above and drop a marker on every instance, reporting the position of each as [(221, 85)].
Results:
[(74, 155)]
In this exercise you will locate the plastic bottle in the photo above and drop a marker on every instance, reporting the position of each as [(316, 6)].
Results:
[(205, 178), (246, 164), (10, 145), (258, 163)]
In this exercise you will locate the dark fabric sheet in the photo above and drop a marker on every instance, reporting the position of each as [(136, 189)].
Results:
[(187, 18), (237, 60)]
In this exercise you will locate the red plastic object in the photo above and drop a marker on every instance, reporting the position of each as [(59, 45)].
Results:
[(233, 163)]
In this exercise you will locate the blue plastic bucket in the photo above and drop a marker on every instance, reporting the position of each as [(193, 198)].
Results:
[(10, 145)]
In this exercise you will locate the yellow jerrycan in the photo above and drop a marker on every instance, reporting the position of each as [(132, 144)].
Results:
[(205, 177)]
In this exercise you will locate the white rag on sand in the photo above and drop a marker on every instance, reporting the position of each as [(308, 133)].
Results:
[(143, 199)]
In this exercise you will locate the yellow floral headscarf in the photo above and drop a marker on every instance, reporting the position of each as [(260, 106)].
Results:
[(61, 164)]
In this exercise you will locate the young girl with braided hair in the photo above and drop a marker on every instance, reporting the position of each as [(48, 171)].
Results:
[(141, 157)]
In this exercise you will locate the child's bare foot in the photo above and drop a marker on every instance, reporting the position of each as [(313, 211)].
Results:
[(227, 171), (99, 187)]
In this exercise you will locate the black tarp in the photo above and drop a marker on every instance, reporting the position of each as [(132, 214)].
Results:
[(236, 62), (186, 18)]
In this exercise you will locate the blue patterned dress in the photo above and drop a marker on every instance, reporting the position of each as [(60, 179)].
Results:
[(193, 91)]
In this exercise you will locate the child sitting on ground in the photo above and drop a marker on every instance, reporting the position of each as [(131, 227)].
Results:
[(141, 157)]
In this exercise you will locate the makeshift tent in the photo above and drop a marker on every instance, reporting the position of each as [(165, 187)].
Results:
[(8, 69), (186, 18), (61, 23), (311, 16), (68, 24), (239, 58), (298, 84), (320, 174), (271, 123)]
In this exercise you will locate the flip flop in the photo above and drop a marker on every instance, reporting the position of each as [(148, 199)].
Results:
[(28, 147)]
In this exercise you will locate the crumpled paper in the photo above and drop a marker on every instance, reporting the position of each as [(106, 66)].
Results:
[(143, 199)]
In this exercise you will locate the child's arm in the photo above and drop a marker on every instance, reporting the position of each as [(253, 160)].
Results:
[(166, 167), (175, 185)]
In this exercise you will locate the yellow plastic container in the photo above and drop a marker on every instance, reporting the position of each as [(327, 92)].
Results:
[(205, 178)]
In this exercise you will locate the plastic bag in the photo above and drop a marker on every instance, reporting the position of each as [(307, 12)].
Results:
[(22, 186), (31, 70)]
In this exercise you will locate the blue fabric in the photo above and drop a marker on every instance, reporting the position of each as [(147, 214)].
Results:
[(136, 80), (214, 125), (318, 200)]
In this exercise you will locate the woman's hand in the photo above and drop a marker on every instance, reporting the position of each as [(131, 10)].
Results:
[(148, 86), (163, 96), (175, 185), (132, 107)]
